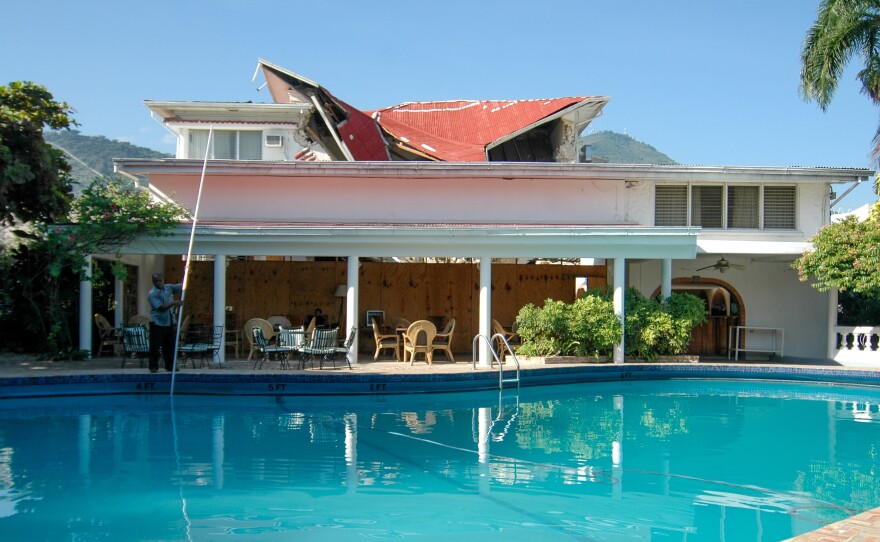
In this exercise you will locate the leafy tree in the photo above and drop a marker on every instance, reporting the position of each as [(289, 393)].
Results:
[(843, 29), (845, 255), (39, 278), (34, 182)]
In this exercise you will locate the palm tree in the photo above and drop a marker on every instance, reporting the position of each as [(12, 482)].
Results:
[(843, 29)]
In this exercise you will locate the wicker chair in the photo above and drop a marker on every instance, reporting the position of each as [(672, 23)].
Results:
[(109, 335), (385, 341), (443, 341), (413, 342), (248, 331)]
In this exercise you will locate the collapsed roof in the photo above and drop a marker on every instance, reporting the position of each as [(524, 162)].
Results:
[(543, 130)]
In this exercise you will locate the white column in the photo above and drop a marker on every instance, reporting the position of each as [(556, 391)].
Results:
[(485, 319), (666, 278), (218, 442), (85, 308), (351, 305), (832, 323), (351, 454), (617, 452), (220, 300), (119, 303), (484, 423), (85, 444), (619, 309)]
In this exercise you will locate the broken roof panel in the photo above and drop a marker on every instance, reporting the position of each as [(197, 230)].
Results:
[(463, 130)]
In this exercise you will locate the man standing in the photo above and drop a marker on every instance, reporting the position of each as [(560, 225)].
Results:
[(162, 331)]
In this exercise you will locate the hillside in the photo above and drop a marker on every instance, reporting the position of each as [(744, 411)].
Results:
[(91, 156), (616, 148)]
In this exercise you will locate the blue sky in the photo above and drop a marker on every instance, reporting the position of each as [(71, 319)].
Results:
[(706, 82)]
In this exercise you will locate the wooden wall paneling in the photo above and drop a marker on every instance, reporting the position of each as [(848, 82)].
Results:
[(370, 290), (295, 289)]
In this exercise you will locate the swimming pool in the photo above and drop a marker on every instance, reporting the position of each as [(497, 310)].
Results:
[(679, 459)]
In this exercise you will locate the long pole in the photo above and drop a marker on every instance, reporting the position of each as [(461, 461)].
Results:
[(187, 267)]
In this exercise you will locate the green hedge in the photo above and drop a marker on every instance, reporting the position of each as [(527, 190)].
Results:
[(589, 327)]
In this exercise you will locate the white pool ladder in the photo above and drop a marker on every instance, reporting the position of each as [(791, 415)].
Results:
[(489, 341)]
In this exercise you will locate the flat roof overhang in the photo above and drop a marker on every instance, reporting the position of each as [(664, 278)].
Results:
[(416, 170), (408, 240)]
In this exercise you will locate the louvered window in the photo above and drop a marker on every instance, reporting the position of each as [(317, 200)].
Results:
[(227, 144), (742, 206), (706, 205), (779, 207), (670, 206), (726, 206)]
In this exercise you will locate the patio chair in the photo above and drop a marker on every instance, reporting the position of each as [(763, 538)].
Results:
[(278, 322), (498, 329), (341, 352), (322, 346), (135, 344), (443, 341), (293, 340), (248, 331), (400, 322), (203, 342), (109, 335), (385, 341), (310, 330), (417, 339), (140, 320), (267, 350)]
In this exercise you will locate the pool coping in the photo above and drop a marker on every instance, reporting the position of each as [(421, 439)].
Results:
[(343, 382)]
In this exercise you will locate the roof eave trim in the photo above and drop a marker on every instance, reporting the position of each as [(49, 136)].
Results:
[(599, 101)]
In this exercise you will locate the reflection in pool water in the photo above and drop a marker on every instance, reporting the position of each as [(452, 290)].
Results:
[(694, 460)]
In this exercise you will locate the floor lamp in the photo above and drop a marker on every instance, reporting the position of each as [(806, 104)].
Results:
[(341, 292)]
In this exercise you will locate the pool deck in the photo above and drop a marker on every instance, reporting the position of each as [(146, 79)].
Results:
[(864, 527)]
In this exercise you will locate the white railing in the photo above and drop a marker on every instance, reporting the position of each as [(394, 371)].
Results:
[(857, 346)]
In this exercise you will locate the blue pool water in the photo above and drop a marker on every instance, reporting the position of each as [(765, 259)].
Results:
[(663, 460)]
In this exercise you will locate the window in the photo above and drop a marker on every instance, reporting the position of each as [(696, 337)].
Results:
[(227, 145), (670, 206), (706, 205), (779, 207), (726, 206), (742, 206)]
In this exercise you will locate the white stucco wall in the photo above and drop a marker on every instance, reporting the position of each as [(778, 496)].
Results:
[(773, 297), (812, 207)]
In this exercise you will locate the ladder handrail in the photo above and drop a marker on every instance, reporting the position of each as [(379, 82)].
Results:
[(501, 379)]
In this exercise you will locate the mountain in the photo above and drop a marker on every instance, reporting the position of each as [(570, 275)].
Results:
[(92, 156), (608, 146)]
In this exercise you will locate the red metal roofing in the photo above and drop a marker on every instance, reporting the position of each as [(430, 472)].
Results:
[(361, 134), (460, 130)]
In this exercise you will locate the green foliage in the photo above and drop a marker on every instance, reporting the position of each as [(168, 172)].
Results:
[(844, 29), (661, 329), (40, 288), (589, 326), (855, 309), (845, 255), (34, 183)]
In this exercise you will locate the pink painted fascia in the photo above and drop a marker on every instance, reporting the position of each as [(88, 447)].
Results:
[(396, 199)]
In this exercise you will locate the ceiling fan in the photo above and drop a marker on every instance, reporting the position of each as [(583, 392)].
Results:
[(722, 265)]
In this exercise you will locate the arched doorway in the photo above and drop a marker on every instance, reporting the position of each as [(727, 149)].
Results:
[(725, 307)]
